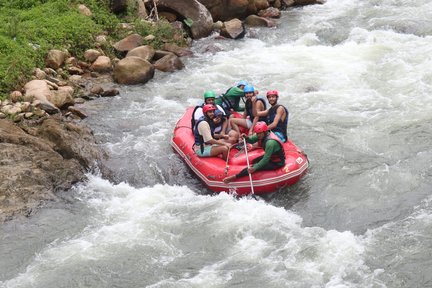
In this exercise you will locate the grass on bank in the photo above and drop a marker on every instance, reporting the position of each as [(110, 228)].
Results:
[(30, 28)]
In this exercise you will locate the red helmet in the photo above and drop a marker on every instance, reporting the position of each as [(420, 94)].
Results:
[(208, 107), (260, 127), (273, 92)]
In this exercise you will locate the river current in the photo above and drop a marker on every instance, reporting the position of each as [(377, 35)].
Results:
[(356, 77)]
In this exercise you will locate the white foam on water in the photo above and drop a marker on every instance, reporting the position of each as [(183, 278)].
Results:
[(253, 236)]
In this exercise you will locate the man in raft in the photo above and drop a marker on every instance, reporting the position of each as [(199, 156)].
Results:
[(230, 100), (273, 158), (277, 116), (205, 144)]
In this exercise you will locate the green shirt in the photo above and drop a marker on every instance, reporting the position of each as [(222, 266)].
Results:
[(272, 146), (233, 95)]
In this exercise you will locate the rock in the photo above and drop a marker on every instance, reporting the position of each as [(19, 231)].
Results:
[(133, 70), (55, 59), (79, 100), (91, 55), (84, 10), (62, 97), (10, 110), (102, 65), (36, 89), (73, 70), (260, 5), (145, 52), (77, 112), (149, 37), (48, 107), (233, 29), (160, 53), (309, 2), (255, 21), (218, 25), (169, 63), (179, 51), (110, 92), (270, 13), (101, 39), (129, 43), (16, 96), (33, 169), (39, 74), (96, 90), (222, 10), (190, 9)]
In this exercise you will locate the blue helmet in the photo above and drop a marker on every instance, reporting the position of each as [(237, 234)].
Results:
[(248, 89), (242, 83)]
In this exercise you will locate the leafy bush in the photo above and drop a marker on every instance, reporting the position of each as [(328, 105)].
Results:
[(33, 27)]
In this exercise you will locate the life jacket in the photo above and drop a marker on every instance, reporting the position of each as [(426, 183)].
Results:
[(281, 126), (278, 157), (262, 118), (193, 121), (193, 116), (199, 140)]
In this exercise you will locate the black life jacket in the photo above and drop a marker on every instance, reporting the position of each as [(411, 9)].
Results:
[(250, 112), (278, 157), (199, 140), (281, 126), (193, 116)]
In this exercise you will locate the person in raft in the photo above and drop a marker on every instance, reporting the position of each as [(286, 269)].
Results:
[(277, 116), (253, 104), (205, 145), (220, 122), (274, 155), (230, 100), (209, 98)]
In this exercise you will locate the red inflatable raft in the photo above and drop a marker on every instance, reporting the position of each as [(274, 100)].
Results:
[(212, 170)]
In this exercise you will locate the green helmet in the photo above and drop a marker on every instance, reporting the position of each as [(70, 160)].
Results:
[(209, 94)]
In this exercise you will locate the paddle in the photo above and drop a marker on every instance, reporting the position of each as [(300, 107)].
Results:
[(247, 160)]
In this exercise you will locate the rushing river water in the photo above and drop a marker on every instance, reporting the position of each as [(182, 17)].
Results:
[(357, 79)]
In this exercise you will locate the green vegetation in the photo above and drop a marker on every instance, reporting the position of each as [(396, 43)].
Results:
[(33, 27)]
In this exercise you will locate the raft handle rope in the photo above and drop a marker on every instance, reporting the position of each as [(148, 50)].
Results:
[(247, 160), (226, 163)]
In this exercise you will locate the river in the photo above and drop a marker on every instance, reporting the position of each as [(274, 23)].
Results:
[(356, 77)]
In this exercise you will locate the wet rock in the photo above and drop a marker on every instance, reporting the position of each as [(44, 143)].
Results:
[(33, 169), (233, 29), (169, 63)]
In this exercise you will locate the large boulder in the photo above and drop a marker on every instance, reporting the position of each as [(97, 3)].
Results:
[(222, 10), (133, 70), (192, 9), (33, 169)]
